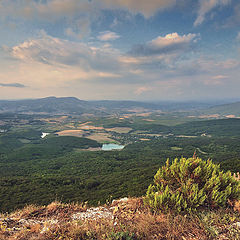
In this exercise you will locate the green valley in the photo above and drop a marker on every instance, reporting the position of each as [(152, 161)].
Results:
[(67, 163)]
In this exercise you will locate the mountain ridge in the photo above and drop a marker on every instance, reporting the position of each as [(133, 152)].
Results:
[(226, 109), (73, 105)]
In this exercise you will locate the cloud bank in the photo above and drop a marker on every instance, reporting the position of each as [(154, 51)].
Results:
[(54, 9), (80, 14), (16, 85), (169, 44), (108, 36), (152, 49), (49, 64)]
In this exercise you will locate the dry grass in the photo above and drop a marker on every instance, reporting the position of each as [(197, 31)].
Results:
[(237, 206), (130, 220), (74, 133), (236, 176), (210, 116), (101, 137), (149, 120), (56, 209), (119, 129)]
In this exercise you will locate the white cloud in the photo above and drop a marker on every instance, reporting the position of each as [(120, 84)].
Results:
[(142, 89), (206, 6), (58, 52), (77, 15), (219, 77), (165, 48), (52, 66), (47, 61), (108, 36), (171, 39)]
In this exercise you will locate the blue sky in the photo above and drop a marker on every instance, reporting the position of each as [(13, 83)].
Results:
[(120, 49)]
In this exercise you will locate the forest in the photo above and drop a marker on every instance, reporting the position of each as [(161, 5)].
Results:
[(40, 170)]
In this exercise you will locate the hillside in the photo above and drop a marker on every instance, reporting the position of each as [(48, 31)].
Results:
[(124, 219), (72, 105), (74, 168), (52, 105), (224, 109), (127, 106), (189, 199), (219, 127)]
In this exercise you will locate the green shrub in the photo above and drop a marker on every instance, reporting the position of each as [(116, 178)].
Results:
[(188, 184), (122, 236)]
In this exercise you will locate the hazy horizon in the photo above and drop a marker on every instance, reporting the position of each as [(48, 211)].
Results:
[(156, 50), (203, 101)]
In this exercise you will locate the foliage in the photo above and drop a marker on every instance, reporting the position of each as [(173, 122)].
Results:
[(218, 127), (121, 236), (36, 170), (40, 173), (188, 184)]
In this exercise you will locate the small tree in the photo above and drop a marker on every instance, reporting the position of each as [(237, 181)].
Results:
[(188, 184)]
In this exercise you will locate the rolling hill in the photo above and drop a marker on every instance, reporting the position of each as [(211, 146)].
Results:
[(224, 109), (75, 106), (72, 105), (65, 105)]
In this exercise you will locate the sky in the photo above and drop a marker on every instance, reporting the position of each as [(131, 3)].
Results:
[(177, 50)]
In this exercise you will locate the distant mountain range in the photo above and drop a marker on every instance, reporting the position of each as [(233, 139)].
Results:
[(53, 105), (224, 109), (163, 106), (71, 105)]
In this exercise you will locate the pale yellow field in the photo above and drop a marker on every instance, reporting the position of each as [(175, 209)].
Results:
[(230, 116), (150, 134), (56, 119), (119, 129), (74, 133), (184, 136), (144, 114), (176, 148), (101, 137), (149, 120), (210, 116)]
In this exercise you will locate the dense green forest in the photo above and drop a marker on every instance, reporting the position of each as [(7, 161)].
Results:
[(35, 170), (40, 170), (220, 127)]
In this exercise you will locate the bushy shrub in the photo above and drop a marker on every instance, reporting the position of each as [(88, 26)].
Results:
[(122, 236), (188, 184)]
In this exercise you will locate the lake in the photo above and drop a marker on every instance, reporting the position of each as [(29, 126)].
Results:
[(112, 146)]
